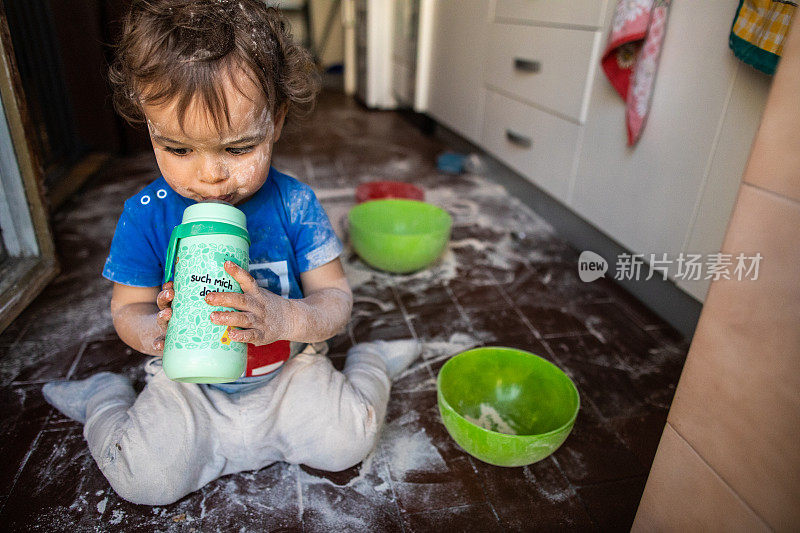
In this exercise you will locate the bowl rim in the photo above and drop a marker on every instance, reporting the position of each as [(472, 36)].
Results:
[(436, 208), (440, 395)]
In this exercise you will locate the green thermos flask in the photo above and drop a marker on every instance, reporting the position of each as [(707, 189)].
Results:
[(196, 350)]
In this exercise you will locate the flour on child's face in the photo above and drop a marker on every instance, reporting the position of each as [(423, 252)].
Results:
[(200, 161)]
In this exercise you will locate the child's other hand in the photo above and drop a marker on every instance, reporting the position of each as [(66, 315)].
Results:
[(164, 302), (260, 313)]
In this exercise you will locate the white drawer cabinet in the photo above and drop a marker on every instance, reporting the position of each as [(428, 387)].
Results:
[(536, 144), (458, 51), (548, 67), (587, 13), (523, 82)]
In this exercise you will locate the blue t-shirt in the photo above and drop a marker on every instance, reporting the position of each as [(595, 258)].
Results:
[(289, 233)]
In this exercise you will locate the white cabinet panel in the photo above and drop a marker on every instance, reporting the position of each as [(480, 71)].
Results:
[(645, 197), (536, 144), (579, 12), (713, 211), (402, 83), (456, 70), (520, 78), (549, 67)]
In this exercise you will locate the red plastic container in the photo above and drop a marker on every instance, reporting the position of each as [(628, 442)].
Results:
[(376, 190)]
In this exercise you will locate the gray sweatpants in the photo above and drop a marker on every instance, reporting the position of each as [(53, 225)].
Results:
[(177, 437)]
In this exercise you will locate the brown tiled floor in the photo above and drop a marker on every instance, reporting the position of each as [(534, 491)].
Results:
[(506, 279)]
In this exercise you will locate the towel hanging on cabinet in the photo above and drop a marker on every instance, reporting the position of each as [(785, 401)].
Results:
[(631, 57)]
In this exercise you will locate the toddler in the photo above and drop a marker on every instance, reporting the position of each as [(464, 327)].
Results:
[(214, 81)]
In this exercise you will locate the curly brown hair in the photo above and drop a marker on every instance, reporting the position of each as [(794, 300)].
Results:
[(179, 49)]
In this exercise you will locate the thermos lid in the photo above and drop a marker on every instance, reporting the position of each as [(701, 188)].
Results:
[(215, 211)]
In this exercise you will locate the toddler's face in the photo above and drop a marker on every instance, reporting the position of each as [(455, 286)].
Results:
[(202, 162)]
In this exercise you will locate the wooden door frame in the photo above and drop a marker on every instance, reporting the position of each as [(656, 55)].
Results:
[(23, 278)]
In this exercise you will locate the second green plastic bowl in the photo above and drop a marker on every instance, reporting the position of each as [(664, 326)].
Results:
[(507, 407), (399, 236)]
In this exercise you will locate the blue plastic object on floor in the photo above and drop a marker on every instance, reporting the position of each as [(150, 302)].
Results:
[(451, 162)]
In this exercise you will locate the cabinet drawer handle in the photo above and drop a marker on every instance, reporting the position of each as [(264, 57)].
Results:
[(527, 65), (519, 140)]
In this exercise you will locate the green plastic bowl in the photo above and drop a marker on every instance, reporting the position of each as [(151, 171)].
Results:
[(507, 407), (399, 236)]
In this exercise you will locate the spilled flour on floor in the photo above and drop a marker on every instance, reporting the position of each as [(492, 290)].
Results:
[(492, 420), (508, 230), (412, 451), (435, 350)]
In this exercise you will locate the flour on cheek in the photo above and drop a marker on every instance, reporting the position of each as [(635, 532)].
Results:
[(208, 162)]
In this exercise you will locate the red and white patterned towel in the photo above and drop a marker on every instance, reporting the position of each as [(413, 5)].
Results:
[(630, 60)]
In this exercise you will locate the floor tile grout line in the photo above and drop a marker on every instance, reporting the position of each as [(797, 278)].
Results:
[(573, 487), (631, 315), (25, 459), (647, 329), (22, 333), (29, 382), (77, 359), (430, 511), (299, 486), (605, 420), (430, 370), (613, 480), (60, 429), (583, 398), (404, 312), (439, 358), (665, 344), (575, 490), (516, 308), (485, 496), (410, 325), (108, 492), (394, 493), (594, 406), (551, 336), (461, 310)]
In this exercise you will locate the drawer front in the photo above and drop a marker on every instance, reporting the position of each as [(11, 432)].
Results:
[(536, 144), (588, 13), (549, 67)]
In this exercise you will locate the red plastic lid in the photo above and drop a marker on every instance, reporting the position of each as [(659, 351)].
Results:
[(376, 190)]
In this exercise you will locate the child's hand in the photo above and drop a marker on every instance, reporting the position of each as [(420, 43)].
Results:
[(261, 314), (164, 302)]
